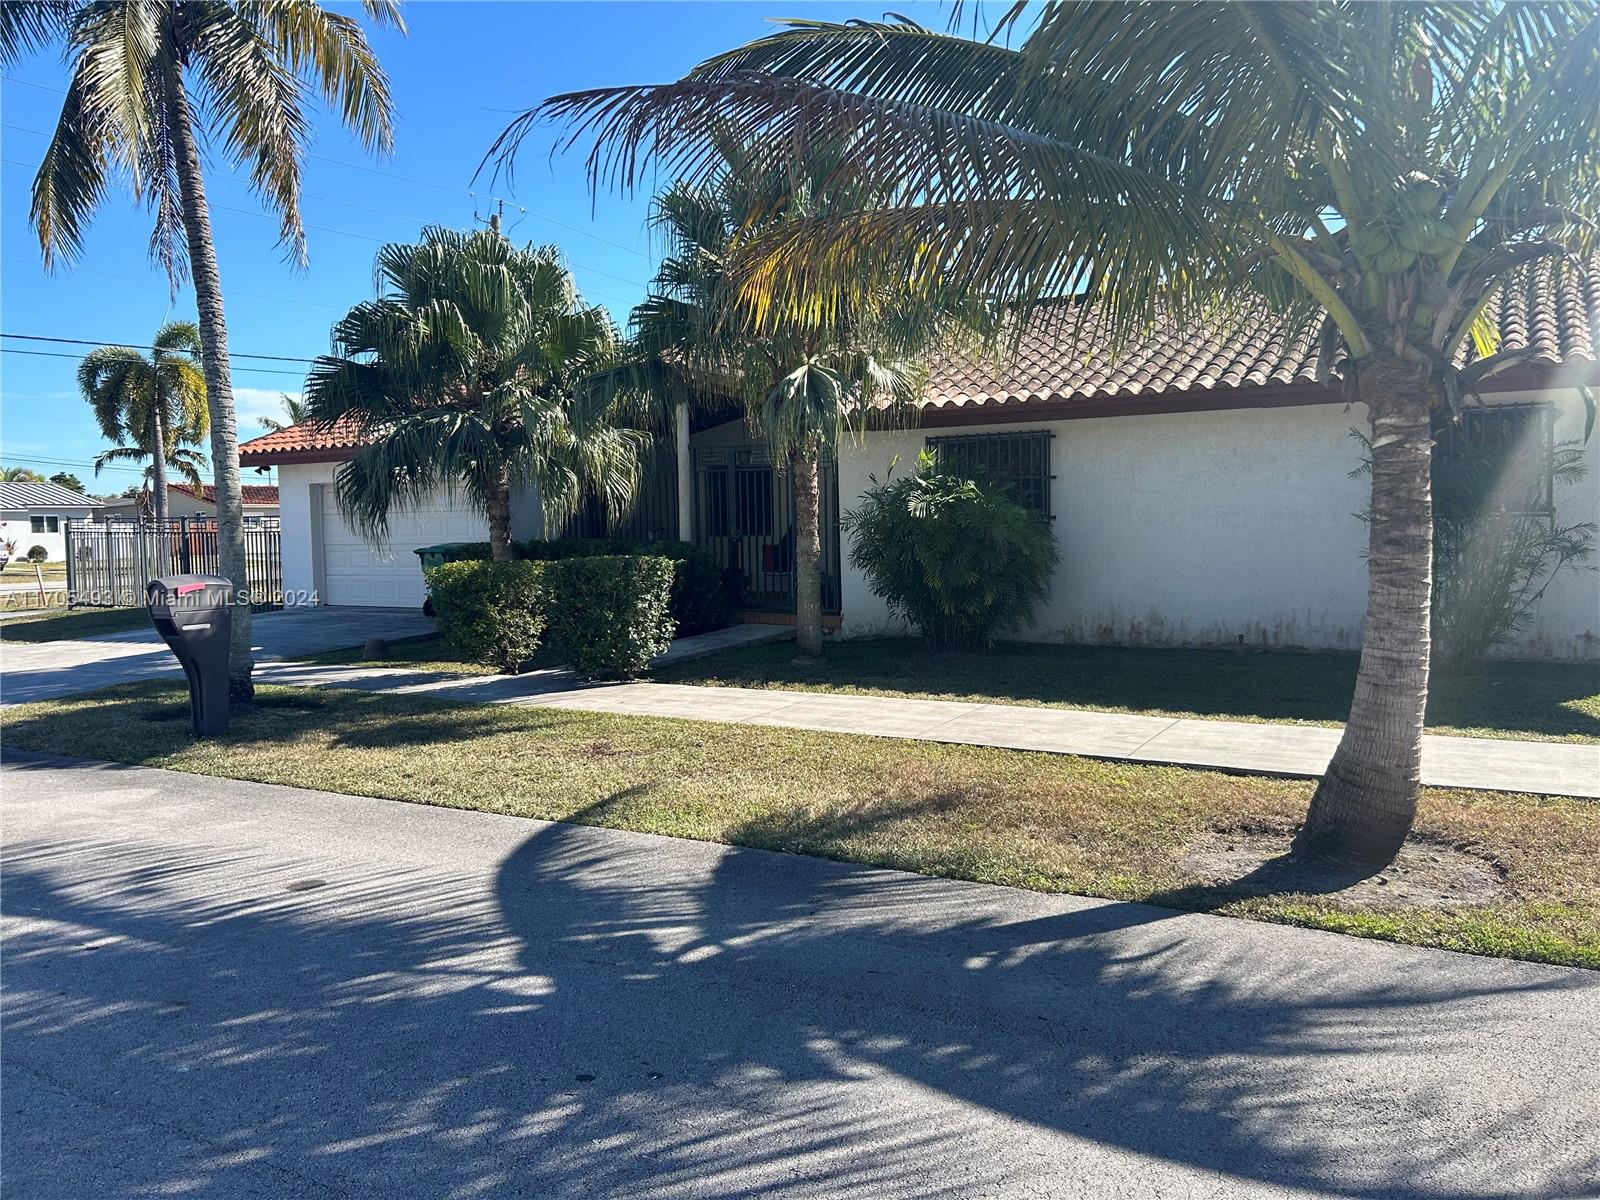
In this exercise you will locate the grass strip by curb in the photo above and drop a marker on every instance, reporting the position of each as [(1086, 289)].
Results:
[(1048, 822)]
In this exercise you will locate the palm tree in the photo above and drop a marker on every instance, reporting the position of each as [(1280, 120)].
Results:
[(149, 80), (803, 382), (20, 475), (294, 408), (150, 406), (466, 372), (1379, 170)]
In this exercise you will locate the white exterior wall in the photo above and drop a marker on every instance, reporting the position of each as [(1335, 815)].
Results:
[(16, 525), (305, 495), (1217, 528)]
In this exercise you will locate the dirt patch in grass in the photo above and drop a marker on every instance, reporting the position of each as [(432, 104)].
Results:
[(1425, 875), (1049, 822)]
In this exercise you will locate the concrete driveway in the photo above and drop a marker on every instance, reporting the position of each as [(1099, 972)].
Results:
[(220, 989), (44, 670)]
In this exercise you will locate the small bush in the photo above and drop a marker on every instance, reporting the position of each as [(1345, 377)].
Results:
[(609, 616), (700, 601), (38, 554), (489, 612), (955, 557)]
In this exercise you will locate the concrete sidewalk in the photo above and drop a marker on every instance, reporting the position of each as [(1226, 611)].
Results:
[(233, 991), (1547, 768)]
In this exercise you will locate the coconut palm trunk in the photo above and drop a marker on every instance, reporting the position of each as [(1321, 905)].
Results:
[(219, 387), (498, 507), (807, 552), (1366, 802), (158, 466)]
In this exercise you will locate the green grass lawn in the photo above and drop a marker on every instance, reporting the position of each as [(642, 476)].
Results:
[(1545, 701), (62, 624), (19, 570), (1048, 822)]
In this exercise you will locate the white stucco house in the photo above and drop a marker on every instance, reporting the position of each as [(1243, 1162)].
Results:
[(36, 514), (1200, 487)]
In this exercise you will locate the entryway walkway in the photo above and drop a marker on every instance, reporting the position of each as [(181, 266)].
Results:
[(1548, 768)]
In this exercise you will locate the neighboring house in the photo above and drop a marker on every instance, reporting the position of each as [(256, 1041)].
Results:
[(1200, 487), (185, 500), (36, 514)]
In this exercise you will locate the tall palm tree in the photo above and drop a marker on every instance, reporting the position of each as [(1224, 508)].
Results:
[(804, 382), (1380, 170), (150, 407), (466, 372), (149, 80)]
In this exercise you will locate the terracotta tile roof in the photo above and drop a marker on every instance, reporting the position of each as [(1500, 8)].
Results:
[(306, 441), (254, 493), (1561, 323)]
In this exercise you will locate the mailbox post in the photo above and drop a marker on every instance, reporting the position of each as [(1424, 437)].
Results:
[(193, 614)]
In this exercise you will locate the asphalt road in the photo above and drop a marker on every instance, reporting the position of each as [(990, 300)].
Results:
[(216, 989)]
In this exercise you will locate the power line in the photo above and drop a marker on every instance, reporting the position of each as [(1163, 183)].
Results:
[(79, 358), (39, 337)]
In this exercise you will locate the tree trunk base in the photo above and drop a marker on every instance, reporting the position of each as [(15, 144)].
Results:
[(241, 693), (1356, 819)]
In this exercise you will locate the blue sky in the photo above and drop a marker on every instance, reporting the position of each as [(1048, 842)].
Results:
[(460, 76)]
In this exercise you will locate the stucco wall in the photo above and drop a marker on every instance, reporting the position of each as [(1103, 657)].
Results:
[(1220, 528)]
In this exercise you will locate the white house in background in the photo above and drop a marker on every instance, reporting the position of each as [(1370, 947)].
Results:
[(36, 514), (185, 500), (1200, 487)]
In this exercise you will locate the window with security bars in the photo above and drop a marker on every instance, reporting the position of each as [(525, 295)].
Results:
[(1019, 462), (1496, 459)]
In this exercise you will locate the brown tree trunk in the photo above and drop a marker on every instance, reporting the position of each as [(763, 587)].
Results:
[(498, 503), (1364, 806), (807, 553), (219, 386)]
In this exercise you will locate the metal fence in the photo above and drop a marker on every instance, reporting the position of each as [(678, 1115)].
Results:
[(744, 514), (108, 566)]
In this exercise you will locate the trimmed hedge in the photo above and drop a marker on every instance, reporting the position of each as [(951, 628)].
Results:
[(490, 612), (700, 601), (609, 616)]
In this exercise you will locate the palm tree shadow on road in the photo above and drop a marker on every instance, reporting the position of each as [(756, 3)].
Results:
[(602, 1019)]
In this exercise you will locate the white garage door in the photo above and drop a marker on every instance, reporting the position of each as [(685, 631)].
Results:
[(390, 575)]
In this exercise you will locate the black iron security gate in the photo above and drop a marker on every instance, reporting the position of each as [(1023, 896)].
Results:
[(744, 515), (109, 565)]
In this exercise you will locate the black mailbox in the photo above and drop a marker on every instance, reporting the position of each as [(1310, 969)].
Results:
[(192, 614)]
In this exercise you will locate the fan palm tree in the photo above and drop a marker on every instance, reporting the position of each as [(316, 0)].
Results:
[(467, 372), (150, 79), (803, 382), (1379, 170), (150, 407)]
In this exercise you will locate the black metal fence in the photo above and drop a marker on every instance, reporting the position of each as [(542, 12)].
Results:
[(109, 565)]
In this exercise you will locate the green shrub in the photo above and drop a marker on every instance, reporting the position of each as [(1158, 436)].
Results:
[(955, 557), (700, 600), (609, 616), (38, 554), (489, 612)]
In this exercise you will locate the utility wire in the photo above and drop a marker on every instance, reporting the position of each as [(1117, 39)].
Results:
[(38, 337), (79, 358)]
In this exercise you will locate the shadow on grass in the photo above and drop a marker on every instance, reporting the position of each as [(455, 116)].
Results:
[(1527, 698)]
